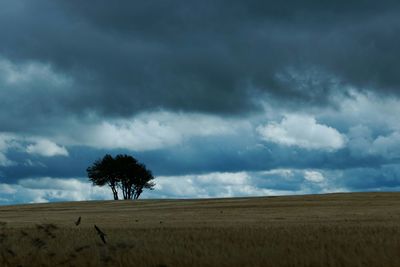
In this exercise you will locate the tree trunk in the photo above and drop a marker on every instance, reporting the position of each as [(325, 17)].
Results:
[(115, 192), (129, 193), (125, 191), (137, 193)]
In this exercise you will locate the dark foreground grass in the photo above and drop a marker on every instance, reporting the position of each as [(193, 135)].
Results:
[(363, 230)]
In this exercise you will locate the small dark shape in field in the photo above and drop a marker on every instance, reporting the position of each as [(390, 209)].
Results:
[(38, 243), (23, 233), (50, 234), (78, 221), (136, 220), (79, 249), (72, 255), (101, 234), (50, 226), (98, 230), (3, 237), (221, 211), (161, 222), (12, 253), (47, 229), (3, 224), (51, 254)]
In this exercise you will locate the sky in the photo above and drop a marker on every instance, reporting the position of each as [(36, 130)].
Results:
[(218, 98)]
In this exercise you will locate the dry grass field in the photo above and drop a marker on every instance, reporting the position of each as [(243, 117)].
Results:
[(359, 229)]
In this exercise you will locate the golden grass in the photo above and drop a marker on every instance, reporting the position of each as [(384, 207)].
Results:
[(361, 229)]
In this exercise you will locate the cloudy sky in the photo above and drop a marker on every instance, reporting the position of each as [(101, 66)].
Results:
[(217, 98)]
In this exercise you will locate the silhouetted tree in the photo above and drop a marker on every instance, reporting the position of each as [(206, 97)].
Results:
[(123, 172), (143, 180), (102, 172)]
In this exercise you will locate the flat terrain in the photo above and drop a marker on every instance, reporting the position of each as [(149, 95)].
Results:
[(357, 229)]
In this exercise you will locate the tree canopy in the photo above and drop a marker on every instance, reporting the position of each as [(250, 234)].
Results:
[(121, 173)]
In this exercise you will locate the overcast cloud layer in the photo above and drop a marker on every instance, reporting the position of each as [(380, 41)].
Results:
[(256, 97)]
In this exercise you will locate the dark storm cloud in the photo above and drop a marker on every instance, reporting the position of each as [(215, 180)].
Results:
[(209, 56)]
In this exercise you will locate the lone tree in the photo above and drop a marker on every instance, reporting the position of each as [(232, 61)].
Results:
[(123, 172)]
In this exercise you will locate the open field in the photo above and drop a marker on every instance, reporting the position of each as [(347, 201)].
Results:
[(359, 229)]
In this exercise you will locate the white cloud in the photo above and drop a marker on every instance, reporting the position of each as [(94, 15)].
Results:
[(314, 176), (302, 131), (155, 130), (48, 189), (216, 184), (39, 146), (375, 112), (46, 148)]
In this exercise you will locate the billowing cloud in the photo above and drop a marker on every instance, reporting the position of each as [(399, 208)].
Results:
[(302, 131), (155, 130), (314, 176), (367, 109), (213, 185), (29, 145), (46, 148), (46, 189)]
